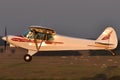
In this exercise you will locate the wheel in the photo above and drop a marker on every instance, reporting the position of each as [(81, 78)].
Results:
[(27, 58)]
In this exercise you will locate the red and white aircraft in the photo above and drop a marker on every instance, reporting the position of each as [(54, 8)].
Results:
[(39, 38)]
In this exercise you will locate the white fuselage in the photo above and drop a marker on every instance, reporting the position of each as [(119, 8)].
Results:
[(58, 44)]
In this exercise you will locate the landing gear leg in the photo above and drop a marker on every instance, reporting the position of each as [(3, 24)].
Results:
[(27, 58), (112, 52)]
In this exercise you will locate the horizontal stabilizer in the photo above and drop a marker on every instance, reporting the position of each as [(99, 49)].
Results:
[(103, 43)]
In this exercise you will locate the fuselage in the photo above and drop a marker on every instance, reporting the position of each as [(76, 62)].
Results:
[(58, 44)]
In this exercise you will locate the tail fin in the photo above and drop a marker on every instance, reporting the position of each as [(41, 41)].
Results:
[(108, 38)]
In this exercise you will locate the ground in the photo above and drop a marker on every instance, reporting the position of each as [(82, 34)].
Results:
[(58, 67)]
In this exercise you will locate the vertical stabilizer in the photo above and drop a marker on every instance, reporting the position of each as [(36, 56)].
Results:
[(108, 38)]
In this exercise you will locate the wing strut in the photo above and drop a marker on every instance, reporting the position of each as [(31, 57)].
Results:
[(35, 40)]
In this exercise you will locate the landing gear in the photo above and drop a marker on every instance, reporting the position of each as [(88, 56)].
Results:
[(112, 52), (27, 58)]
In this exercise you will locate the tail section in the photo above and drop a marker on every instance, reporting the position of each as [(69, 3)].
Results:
[(108, 38)]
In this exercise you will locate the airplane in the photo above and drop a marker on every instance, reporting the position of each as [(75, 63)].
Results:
[(38, 38)]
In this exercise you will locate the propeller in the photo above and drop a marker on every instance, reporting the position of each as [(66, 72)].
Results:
[(6, 38)]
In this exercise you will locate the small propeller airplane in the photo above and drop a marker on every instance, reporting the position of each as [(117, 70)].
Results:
[(39, 38)]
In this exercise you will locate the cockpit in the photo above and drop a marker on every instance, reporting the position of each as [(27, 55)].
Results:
[(39, 33)]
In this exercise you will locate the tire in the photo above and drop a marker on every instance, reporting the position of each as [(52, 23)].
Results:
[(27, 58)]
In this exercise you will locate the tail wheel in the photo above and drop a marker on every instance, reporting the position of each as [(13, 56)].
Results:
[(27, 58)]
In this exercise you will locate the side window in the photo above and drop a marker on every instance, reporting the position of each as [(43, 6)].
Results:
[(30, 35), (40, 35), (49, 37)]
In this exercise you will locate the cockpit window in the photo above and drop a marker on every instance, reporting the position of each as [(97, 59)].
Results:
[(39, 35), (49, 37)]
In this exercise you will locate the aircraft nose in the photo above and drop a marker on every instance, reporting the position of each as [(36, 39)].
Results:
[(4, 38)]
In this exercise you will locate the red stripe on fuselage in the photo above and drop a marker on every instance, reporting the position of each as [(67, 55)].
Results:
[(22, 39)]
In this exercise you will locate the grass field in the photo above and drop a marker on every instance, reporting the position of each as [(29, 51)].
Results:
[(58, 67)]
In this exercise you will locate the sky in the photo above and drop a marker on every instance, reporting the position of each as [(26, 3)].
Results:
[(76, 18)]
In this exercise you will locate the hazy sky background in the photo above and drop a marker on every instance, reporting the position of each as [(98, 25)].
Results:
[(78, 18)]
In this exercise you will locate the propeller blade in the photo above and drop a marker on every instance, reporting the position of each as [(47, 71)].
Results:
[(5, 31), (5, 43)]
